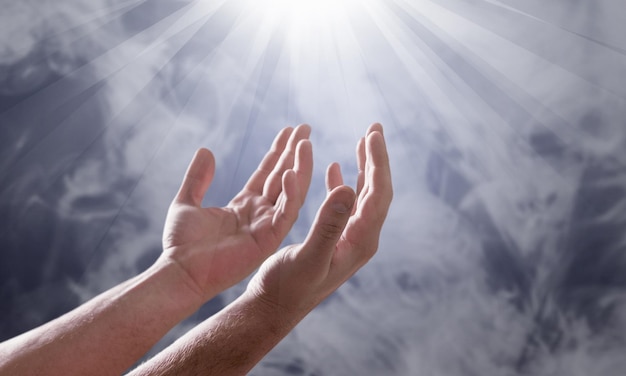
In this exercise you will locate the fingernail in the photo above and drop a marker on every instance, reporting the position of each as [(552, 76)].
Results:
[(341, 207)]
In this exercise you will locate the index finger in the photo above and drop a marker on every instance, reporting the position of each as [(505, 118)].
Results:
[(364, 228), (377, 170), (197, 178), (257, 180)]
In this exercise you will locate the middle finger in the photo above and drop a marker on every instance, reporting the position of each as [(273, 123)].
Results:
[(273, 184)]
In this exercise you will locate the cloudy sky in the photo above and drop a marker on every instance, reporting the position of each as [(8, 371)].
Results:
[(504, 250)]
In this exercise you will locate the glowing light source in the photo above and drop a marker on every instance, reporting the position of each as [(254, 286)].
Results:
[(306, 20), (310, 11)]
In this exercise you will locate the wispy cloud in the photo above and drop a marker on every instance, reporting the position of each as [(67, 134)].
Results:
[(503, 251)]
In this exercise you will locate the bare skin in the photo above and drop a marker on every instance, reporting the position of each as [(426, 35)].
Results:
[(250, 228), (294, 280), (206, 250)]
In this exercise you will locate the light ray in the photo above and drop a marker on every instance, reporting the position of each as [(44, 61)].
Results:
[(267, 67), (483, 93), (72, 30), (524, 69), (149, 120), (360, 40), (569, 54), (76, 156), (113, 70), (83, 73), (483, 104), (552, 14)]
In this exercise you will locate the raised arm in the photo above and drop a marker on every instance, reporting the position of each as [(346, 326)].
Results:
[(205, 251), (294, 280)]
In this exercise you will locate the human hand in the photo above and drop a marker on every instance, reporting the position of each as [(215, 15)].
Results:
[(218, 247), (343, 237)]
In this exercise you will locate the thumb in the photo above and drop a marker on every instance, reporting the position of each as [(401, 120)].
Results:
[(329, 224), (197, 178)]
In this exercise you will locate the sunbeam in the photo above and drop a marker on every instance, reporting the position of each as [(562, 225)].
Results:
[(503, 252)]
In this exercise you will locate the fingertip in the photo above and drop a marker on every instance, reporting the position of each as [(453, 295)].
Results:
[(284, 133), (375, 127), (306, 126), (376, 135), (204, 154), (342, 199), (333, 176), (304, 130), (291, 191), (202, 160), (376, 148), (334, 166), (379, 179), (304, 146), (329, 224), (304, 157), (197, 178), (289, 182), (281, 138), (360, 145), (288, 173)]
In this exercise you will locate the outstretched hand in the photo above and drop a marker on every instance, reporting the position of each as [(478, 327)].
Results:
[(218, 247), (206, 250), (343, 238)]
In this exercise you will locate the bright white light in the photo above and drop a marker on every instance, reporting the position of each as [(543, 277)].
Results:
[(306, 20), (310, 11)]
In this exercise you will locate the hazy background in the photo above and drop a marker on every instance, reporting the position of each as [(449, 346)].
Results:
[(504, 250)]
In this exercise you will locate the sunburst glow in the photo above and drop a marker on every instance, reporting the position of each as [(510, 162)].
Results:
[(310, 11), (307, 21), (504, 251)]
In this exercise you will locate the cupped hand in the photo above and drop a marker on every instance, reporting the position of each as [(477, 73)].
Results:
[(343, 238), (218, 247)]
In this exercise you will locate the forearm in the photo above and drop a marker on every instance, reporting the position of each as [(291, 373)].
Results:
[(106, 335), (229, 343)]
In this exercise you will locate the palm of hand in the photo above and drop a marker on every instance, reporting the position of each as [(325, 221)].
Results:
[(218, 247), (299, 276), (233, 242)]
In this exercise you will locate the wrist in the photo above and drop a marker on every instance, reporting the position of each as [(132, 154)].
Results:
[(279, 317), (175, 286)]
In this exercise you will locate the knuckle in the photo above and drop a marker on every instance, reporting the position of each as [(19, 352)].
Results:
[(330, 230)]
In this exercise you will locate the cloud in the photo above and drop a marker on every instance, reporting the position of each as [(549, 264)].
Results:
[(89, 131), (475, 278), (502, 253)]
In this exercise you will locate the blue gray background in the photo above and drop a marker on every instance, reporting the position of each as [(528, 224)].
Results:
[(504, 250)]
